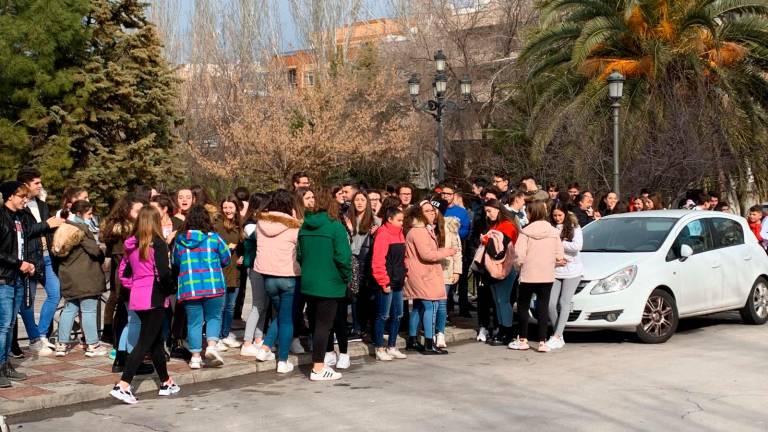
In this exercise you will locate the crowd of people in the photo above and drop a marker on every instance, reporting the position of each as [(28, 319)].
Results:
[(177, 264)]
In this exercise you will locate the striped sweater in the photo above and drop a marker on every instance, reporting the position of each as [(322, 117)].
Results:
[(199, 258)]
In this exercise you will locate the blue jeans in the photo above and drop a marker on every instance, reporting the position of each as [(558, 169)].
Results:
[(209, 310), (502, 291), (424, 311), (228, 313), (130, 335), (28, 314), (87, 308), (387, 305), (280, 290), (53, 295), (11, 297), (442, 312)]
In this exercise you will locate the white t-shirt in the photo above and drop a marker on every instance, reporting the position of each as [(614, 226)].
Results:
[(35, 209)]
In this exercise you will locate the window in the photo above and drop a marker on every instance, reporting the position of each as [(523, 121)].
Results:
[(696, 235), (627, 234), (727, 232), (292, 75), (309, 79)]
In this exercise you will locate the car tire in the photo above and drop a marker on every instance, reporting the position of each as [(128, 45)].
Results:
[(660, 318), (755, 310)]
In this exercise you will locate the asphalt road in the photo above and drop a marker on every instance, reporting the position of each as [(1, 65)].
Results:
[(711, 376)]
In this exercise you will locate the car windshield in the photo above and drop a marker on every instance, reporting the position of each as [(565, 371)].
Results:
[(627, 234)]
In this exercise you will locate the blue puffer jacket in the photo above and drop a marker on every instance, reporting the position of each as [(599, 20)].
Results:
[(199, 258)]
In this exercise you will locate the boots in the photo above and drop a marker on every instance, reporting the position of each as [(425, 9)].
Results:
[(119, 365), (412, 344), (7, 370), (431, 349), (106, 334)]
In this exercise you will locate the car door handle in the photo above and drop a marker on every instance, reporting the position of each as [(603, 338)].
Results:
[(747, 257), (715, 265)]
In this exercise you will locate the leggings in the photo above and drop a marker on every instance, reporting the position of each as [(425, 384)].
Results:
[(485, 304), (542, 291), (339, 328), (323, 314), (562, 293), (150, 340), (254, 325)]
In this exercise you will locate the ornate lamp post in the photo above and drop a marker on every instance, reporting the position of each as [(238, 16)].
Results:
[(436, 107), (615, 92)]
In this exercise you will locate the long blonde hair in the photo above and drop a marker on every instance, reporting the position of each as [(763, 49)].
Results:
[(148, 226)]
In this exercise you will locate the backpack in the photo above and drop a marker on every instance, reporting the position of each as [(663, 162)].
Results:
[(66, 237)]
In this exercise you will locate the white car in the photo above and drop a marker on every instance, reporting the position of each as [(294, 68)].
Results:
[(644, 271)]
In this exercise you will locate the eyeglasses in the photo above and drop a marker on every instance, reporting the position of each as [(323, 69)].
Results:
[(374, 199)]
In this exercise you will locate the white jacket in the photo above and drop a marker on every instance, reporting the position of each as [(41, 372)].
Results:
[(574, 267)]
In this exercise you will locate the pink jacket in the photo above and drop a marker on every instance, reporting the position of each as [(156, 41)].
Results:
[(538, 248), (276, 237), (423, 260), (140, 279)]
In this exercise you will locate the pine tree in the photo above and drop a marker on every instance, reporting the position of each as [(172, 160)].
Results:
[(125, 136), (42, 44)]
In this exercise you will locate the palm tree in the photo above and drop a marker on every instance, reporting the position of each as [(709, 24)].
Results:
[(673, 53)]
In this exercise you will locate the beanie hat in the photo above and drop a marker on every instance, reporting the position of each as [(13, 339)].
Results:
[(8, 188)]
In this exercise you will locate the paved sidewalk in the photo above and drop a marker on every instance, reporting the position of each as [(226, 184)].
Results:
[(59, 381)]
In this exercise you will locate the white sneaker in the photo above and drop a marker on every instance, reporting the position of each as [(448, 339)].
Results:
[(343, 362), (123, 395), (519, 345), (482, 334), (396, 354), (264, 355), (330, 358), (231, 341), (440, 341), (168, 389), (196, 363), (213, 357), (46, 349), (221, 346), (296, 347), (47, 343), (61, 350), (327, 374), (383, 355), (36, 345), (284, 367), (250, 350), (555, 343), (96, 350)]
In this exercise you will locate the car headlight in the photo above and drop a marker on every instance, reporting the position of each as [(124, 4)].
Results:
[(615, 282)]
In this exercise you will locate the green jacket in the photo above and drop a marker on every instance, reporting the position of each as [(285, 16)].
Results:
[(324, 255)]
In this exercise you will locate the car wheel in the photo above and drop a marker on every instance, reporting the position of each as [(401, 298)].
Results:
[(755, 311), (660, 318)]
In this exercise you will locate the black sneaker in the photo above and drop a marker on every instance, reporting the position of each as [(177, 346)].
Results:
[(4, 382), (11, 373), (169, 389), (355, 336)]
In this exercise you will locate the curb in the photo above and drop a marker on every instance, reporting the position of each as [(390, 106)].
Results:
[(145, 385)]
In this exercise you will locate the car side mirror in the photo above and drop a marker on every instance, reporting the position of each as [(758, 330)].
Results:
[(685, 252)]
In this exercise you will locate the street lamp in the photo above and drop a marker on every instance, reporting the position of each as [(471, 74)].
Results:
[(437, 106), (615, 92)]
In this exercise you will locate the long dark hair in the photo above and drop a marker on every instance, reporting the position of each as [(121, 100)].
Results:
[(255, 206), (200, 195), (366, 222), (568, 222), (118, 224), (504, 214), (235, 223), (198, 219), (282, 201)]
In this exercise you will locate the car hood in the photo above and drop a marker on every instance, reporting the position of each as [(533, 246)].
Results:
[(599, 265)]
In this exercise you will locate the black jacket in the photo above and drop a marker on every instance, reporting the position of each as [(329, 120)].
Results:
[(9, 247), (582, 216), (36, 244)]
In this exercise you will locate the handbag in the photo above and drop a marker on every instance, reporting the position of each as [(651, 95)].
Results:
[(499, 268)]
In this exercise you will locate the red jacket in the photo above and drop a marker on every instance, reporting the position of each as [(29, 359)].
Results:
[(388, 259), (755, 227), (507, 228)]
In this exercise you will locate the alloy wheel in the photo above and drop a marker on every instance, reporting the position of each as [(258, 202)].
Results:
[(657, 316)]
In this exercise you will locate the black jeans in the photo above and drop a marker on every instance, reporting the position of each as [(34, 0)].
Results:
[(150, 340), (323, 316), (485, 304), (339, 328), (526, 291)]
